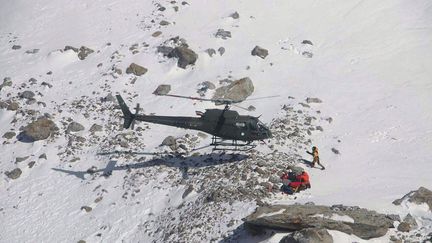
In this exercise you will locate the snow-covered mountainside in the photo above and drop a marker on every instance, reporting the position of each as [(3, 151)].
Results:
[(352, 78)]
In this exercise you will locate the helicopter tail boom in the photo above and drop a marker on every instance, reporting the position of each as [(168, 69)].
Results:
[(127, 115)]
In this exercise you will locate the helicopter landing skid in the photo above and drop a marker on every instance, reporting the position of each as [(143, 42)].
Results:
[(231, 145)]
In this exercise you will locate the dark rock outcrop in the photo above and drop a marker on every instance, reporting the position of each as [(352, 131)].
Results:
[(136, 69), (74, 127), (185, 56), (224, 34), (363, 223), (14, 174), (420, 196), (259, 51), (162, 89), (40, 129)]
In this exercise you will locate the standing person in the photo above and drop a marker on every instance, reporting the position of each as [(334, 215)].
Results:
[(316, 159)]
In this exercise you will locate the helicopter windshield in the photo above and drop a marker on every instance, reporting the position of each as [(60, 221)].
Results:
[(261, 126)]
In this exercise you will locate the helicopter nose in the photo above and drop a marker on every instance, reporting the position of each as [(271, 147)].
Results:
[(269, 134)]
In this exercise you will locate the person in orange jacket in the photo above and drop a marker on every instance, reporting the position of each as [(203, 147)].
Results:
[(316, 159)]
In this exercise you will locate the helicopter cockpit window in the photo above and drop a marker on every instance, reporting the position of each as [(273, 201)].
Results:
[(261, 125), (240, 124)]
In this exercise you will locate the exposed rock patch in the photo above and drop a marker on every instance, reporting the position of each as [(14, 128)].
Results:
[(224, 34), (420, 196), (259, 51), (9, 135), (74, 127), (162, 89), (136, 69), (351, 220), (40, 129), (14, 174), (185, 56), (238, 90), (313, 100)]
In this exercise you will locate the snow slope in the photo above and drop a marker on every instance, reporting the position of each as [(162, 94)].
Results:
[(370, 67)]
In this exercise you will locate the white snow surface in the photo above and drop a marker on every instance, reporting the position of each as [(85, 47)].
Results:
[(370, 67)]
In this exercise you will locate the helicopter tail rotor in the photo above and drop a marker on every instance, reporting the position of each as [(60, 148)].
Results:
[(129, 118)]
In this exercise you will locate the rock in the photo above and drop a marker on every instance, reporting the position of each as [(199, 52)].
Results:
[(81, 241), (238, 90), (136, 69), (221, 50), (307, 42), (204, 86), (187, 191), (67, 48), (307, 54), (9, 135), (313, 100), (95, 128), (31, 164), (224, 34), (40, 129), (162, 89), (165, 50), (259, 51), (169, 141), (360, 222), (13, 106), (235, 15), (46, 84), (185, 56), (14, 174), (210, 52), (21, 159), (86, 208), (43, 156), (84, 52), (410, 220), (404, 227), (394, 217), (420, 196), (16, 47), (157, 33), (32, 51), (27, 94), (335, 151), (74, 127), (311, 235), (7, 81), (164, 23)]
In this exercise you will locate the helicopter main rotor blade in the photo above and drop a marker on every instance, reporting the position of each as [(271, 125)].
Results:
[(217, 101), (260, 98)]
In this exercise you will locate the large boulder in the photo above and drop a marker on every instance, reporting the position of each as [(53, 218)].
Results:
[(420, 196), (136, 69), (238, 90), (14, 174), (185, 56), (74, 127), (40, 129), (162, 89), (363, 223)]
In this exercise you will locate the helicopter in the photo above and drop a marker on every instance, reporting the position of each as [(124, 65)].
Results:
[(230, 130)]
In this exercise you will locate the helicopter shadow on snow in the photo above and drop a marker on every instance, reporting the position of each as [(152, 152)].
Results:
[(183, 163)]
